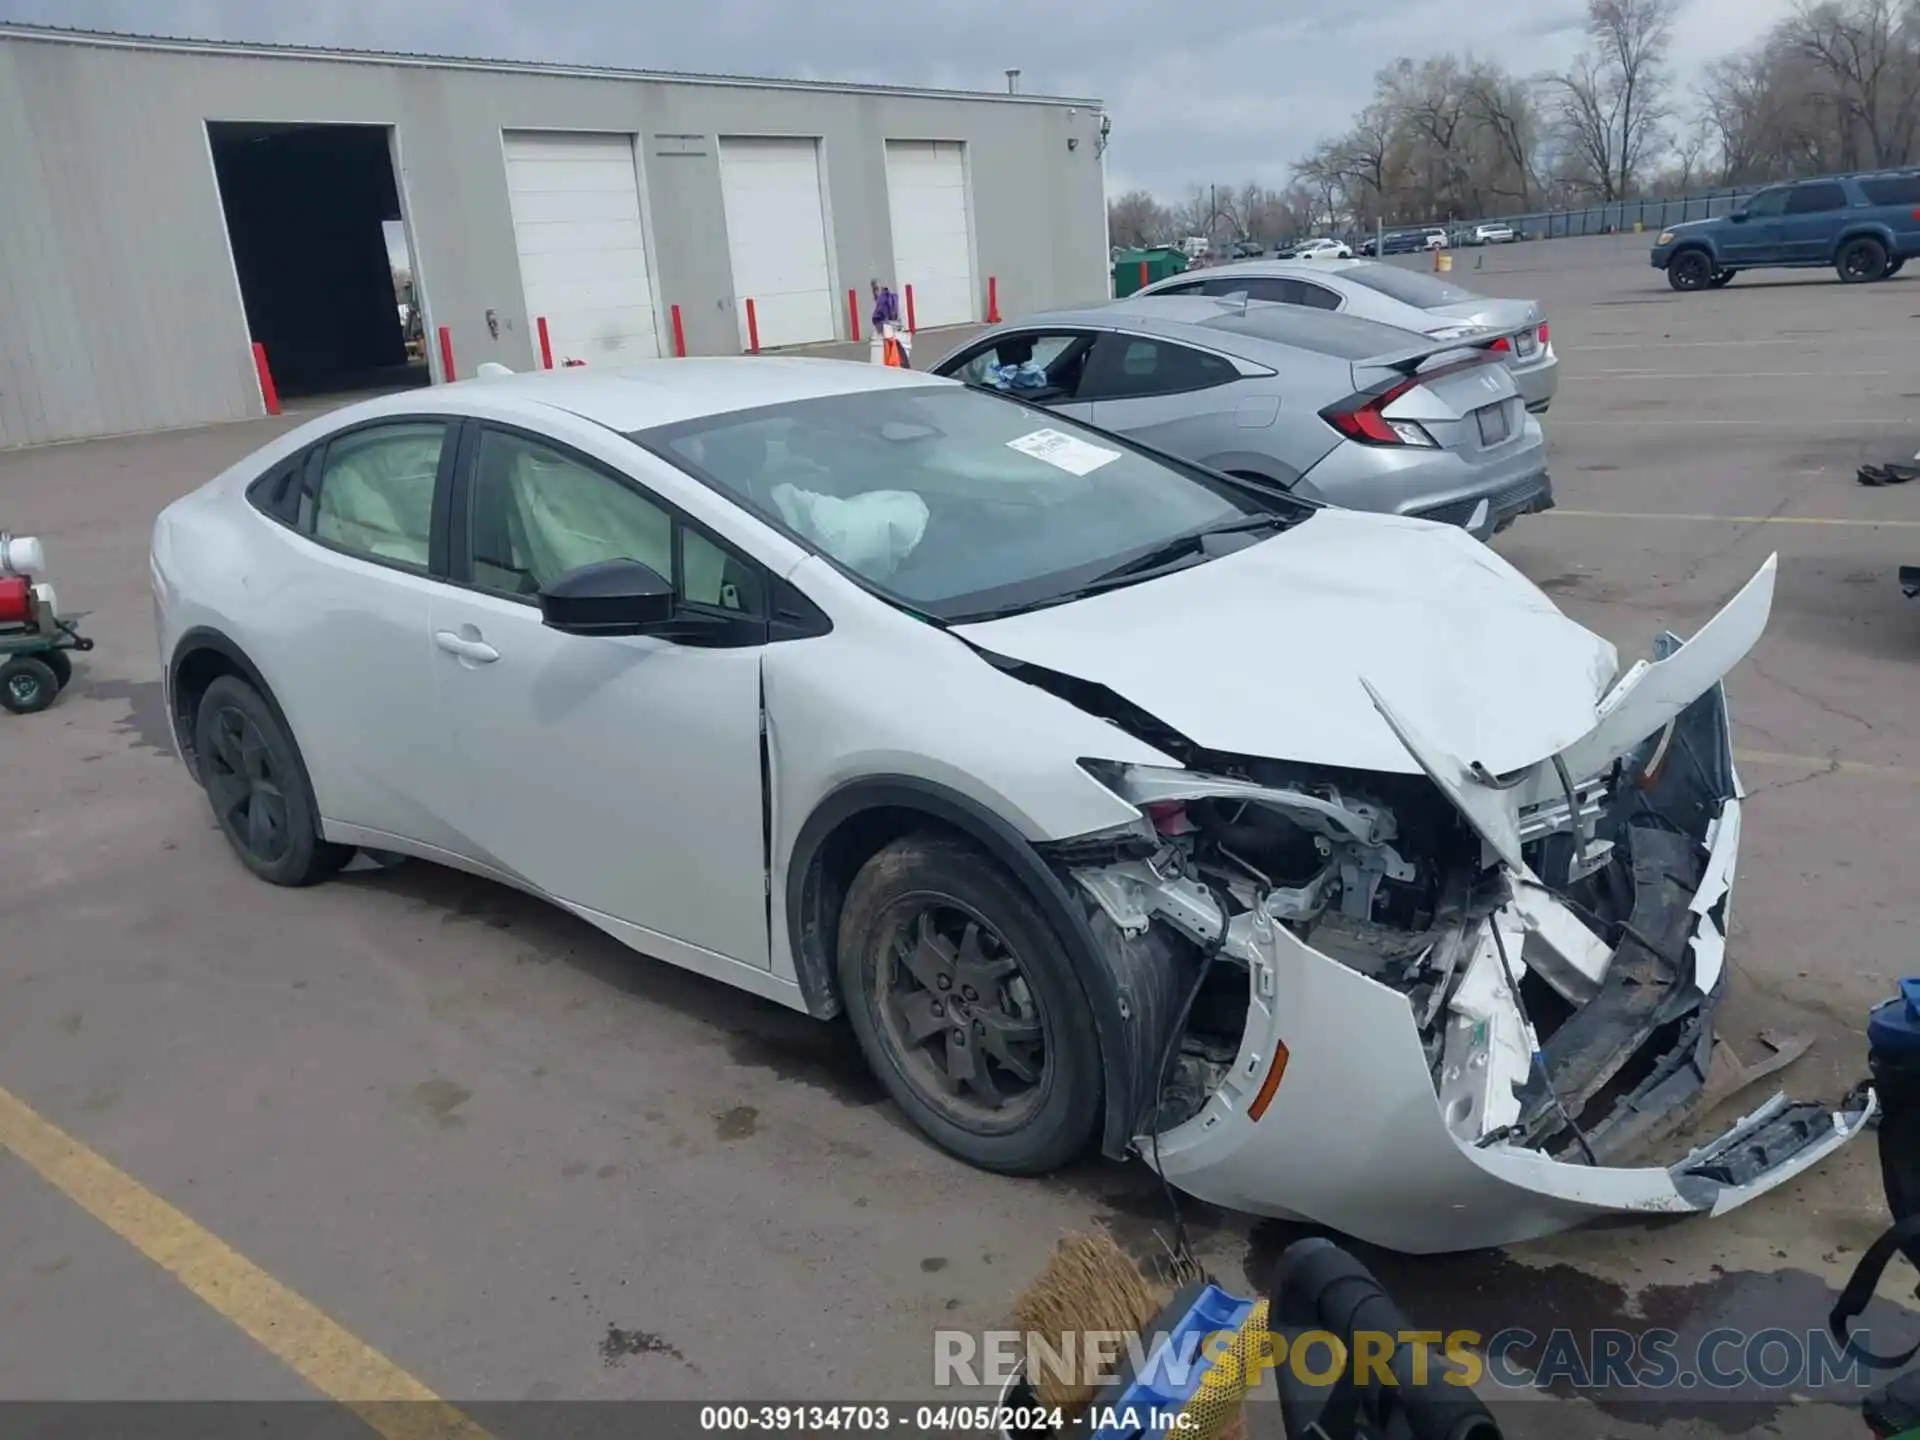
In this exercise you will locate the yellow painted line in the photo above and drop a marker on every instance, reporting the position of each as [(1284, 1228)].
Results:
[(1731, 519), (1827, 762), (329, 1357)]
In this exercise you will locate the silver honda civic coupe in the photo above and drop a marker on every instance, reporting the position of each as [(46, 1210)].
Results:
[(1331, 407), (1516, 331)]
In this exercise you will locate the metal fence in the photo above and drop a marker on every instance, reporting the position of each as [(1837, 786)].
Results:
[(1616, 218)]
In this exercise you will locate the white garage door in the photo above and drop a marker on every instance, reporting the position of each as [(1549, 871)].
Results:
[(583, 255), (777, 239), (932, 251)]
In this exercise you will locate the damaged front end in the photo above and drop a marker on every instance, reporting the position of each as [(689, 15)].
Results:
[(1454, 1009)]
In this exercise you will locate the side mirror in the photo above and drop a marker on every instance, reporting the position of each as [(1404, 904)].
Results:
[(612, 597), (1739, 217)]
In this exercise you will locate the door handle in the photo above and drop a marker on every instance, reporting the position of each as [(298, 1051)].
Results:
[(477, 651)]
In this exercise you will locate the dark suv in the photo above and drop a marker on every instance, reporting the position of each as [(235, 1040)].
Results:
[(1865, 226)]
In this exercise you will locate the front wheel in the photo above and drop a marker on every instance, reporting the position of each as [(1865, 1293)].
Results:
[(1723, 278), (1894, 268), (1690, 270), (967, 1008), (258, 788), (1861, 260)]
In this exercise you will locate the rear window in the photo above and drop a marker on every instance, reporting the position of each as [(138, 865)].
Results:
[(1893, 190), (1410, 287)]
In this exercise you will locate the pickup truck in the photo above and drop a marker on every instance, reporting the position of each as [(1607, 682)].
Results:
[(1865, 226)]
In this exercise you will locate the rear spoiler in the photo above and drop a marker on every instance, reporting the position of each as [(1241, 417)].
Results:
[(1470, 350)]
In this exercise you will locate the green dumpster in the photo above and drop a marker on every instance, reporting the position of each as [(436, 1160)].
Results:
[(1157, 263)]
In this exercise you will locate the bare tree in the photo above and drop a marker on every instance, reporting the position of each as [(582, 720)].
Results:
[(1865, 50), (1611, 103), (1136, 220), (1503, 108)]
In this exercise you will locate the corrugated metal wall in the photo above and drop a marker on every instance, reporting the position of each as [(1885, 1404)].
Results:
[(119, 307)]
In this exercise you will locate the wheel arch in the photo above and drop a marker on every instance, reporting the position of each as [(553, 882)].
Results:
[(1865, 230), (202, 656), (855, 821)]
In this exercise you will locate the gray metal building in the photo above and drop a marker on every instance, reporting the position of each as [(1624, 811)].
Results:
[(166, 204)]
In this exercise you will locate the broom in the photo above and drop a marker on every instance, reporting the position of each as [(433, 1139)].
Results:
[(1090, 1285)]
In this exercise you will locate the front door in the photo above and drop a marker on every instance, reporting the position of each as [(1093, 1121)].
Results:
[(1756, 240), (1808, 228), (617, 774)]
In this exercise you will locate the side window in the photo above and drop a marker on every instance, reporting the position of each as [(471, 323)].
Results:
[(536, 513), (1767, 204), (1893, 190), (274, 492), (1318, 297), (1061, 357), (1257, 287), (1130, 366), (1816, 199), (373, 492)]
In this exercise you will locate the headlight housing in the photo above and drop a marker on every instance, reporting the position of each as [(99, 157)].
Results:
[(1666, 238)]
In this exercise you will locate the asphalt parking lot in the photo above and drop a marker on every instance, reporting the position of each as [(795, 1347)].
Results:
[(508, 1160)]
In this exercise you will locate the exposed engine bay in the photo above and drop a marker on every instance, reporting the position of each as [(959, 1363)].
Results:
[(1547, 948)]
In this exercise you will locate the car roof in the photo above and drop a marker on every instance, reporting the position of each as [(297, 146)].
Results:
[(1208, 320), (648, 393)]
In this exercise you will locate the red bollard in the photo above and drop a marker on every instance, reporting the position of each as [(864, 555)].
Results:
[(679, 335), (853, 314), (546, 344), (267, 391), (993, 300), (1143, 274), (753, 329), (912, 328), (446, 355)]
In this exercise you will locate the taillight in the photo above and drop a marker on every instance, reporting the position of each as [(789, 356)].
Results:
[(1501, 344), (1543, 332), (16, 600), (1359, 418)]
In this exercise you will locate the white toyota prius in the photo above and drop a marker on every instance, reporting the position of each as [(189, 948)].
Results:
[(1314, 856)]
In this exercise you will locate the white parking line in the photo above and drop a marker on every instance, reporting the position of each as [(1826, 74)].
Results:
[(1799, 422), (1687, 344), (1737, 375), (1865, 524)]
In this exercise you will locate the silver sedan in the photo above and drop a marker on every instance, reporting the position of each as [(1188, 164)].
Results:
[(1332, 407), (1515, 329)]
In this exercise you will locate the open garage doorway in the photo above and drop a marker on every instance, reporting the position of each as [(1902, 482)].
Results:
[(320, 245)]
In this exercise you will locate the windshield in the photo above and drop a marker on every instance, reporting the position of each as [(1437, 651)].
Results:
[(1410, 287), (956, 502)]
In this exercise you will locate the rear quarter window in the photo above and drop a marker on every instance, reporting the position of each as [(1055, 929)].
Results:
[(1892, 190)]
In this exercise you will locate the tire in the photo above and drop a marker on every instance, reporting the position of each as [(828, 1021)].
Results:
[(1861, 261), (1722, 278), (1690, 270), (1894, 268), (258, 787), (912, 917), (28, 685)]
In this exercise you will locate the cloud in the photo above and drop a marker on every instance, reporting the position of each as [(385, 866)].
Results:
[(1237, 92)]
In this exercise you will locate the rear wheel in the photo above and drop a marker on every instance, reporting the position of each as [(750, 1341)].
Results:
[(258, 788), (1894, 268), (1860, 260), (967, 1007), (1690, 270), (28, 685), (1723, 278)]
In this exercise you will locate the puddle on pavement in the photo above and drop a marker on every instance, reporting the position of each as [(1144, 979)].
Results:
[(145, 723), (1493, 1291)]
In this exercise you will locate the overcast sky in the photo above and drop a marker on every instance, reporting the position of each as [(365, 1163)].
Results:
[(1226, 91)]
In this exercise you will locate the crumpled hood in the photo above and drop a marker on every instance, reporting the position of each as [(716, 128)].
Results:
[(1262, 652)]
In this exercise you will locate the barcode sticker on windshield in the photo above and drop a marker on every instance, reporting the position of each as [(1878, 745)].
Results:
[(1063, 451)]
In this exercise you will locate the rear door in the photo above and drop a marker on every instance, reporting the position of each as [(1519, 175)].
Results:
[(1896, 203), (1169, 395), (1811, 224)]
